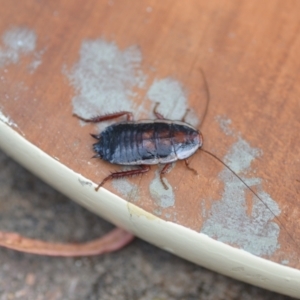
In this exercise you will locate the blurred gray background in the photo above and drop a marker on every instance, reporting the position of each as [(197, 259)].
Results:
[(139, 271)]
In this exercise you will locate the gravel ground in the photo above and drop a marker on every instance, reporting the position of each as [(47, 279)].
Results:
[(139, 271)]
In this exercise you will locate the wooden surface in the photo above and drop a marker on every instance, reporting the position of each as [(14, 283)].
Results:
[(250, 54)]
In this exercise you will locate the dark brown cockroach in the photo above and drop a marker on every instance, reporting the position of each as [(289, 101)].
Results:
[(144, 143)]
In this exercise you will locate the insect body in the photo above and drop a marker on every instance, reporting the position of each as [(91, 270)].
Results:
[(147, 142), (143, 143)]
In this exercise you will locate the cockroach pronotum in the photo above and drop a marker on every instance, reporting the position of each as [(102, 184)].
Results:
[(149, 142)]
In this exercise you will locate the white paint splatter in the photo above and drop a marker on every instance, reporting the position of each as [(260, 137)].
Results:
[(17, 41), (230, 221), (224, 124), (37, 61), (241, 156), (126, 188), (104, 78), (168, 216), (172, 98), (164, 198)]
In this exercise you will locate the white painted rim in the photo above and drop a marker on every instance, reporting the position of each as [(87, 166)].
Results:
[(179, 240)]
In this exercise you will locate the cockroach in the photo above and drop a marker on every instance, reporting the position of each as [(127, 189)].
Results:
[(144, 143)]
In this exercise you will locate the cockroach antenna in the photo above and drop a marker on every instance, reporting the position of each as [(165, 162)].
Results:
[(226, 166), (207, 98)]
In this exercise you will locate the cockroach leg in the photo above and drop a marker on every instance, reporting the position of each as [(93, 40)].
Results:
[(161, 117), (184, 116), (101, 118), (188, 166), (142, 169), (162, 172), (157, 114), (96, 136)]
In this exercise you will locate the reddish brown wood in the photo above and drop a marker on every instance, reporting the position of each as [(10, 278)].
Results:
[(250, 54), (122, 174)]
